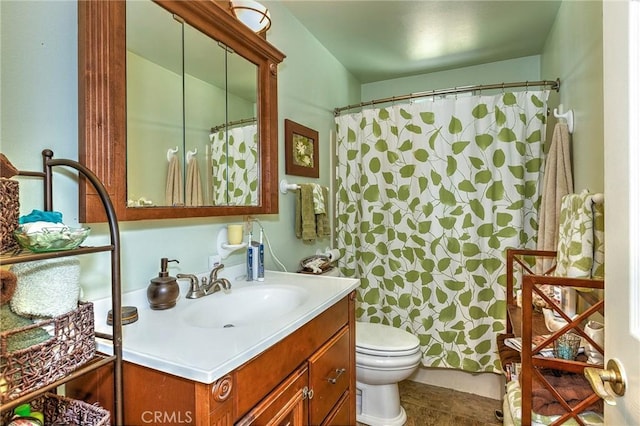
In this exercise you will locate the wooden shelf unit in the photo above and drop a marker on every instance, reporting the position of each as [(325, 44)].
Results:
[(527, 323), (99, 360)]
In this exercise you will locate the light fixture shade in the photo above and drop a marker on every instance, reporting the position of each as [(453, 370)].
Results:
[(252, 14)]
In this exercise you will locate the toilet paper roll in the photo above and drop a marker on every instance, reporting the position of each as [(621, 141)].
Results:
[(333, 255)]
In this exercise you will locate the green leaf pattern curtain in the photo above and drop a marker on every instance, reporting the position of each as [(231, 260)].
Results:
[(234, 165), (430, 194)]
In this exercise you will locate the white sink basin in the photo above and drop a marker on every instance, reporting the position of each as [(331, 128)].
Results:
[(244, 306)]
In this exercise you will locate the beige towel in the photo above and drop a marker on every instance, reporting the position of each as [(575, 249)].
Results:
[(173, 193), (194, 184), (557, 182)]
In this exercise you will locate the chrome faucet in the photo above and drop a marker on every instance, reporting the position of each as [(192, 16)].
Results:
[(215, 284), (206, 287)]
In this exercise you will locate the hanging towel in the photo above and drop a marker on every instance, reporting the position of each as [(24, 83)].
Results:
[(318, 199), (173, 193), (322, 219), (558, 182), (597, 270), (194, 184), (575, 236), (305, 214)]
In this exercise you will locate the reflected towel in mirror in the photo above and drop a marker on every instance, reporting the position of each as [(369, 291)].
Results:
[(194, 184), (174, 189)]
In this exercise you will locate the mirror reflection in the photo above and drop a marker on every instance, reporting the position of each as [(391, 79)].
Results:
[(192, 136)]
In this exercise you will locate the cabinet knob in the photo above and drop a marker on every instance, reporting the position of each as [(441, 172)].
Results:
[(339, 372), (307, 393), (614, 374)]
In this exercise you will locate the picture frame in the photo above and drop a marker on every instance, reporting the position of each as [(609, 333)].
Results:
[(301, 150)]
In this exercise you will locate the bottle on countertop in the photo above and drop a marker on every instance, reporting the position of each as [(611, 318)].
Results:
[(23, 416), (163, 291), (260, 258), (250, 258)]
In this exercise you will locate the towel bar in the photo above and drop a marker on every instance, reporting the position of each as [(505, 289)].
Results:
[(285, 186)]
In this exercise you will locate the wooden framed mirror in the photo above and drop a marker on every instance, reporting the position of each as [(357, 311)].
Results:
[(107, 133)]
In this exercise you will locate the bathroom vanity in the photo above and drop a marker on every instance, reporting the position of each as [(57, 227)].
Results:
[(295, 365)]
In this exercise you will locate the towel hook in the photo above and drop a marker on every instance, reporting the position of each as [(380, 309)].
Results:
[(171, 153), (191, 154), (568, 116)]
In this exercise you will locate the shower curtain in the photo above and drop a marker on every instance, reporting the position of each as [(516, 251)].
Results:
[(430, 195), (234, 162)]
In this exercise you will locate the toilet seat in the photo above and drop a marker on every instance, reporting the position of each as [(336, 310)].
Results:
[(384, 340)]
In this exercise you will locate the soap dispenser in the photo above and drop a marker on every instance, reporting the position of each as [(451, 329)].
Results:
[(163, 291)]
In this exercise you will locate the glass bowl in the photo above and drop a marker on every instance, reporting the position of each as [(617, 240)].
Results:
[(53, 239)]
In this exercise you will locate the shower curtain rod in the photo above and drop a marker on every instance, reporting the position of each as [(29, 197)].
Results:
[(233, 123), (553, 84)]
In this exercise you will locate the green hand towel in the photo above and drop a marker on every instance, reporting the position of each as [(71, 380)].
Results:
[(307, 212), (9, 320)]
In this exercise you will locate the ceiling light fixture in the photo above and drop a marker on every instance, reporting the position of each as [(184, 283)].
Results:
[(252, 14)]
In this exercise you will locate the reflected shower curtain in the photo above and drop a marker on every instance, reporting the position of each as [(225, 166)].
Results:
[(235, 166), (430, 195)]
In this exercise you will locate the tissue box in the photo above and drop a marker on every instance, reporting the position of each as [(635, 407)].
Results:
[(9, 213)]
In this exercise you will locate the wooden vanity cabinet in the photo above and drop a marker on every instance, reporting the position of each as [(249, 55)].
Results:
[(297, 381), (318, 390)]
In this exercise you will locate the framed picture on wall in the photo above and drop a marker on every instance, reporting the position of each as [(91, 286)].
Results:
[(301, 150)]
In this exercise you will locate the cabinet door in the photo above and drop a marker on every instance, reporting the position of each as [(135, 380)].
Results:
[(286, 405), (329, 372), (340, 415)]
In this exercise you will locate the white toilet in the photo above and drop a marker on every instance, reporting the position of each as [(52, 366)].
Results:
[(385, 355)]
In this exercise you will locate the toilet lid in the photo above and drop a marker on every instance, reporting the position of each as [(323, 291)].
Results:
[(373, 339)]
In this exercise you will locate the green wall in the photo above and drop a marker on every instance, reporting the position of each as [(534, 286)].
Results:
[(519, 69), (39, 110), (573, 52)]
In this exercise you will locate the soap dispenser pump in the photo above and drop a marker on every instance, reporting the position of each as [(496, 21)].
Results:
[(163, 291)]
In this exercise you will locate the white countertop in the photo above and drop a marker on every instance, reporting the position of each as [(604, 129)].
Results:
[(165, 341)]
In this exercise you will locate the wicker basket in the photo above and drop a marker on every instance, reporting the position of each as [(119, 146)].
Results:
[(9, 213), (60, 410), (72, 344)]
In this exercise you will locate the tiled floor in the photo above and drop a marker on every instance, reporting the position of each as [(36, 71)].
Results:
[(430, 405)]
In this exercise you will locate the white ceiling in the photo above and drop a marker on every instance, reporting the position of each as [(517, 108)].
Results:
[(380, 40)]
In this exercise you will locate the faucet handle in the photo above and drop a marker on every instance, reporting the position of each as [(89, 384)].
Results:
[(213, 275), (195, 291)]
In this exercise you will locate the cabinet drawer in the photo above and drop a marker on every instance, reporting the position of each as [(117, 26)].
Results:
[(329, 373)]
